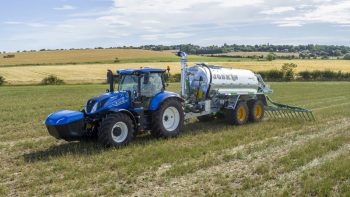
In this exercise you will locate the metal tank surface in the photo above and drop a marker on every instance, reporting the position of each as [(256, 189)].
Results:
[(218, 80)]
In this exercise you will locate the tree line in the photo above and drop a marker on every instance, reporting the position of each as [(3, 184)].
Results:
[(305, 51), (309, 50)]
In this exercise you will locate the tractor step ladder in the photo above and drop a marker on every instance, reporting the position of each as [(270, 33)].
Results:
[(277, 110)]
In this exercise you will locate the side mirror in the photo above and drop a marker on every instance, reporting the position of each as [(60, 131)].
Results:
[(146, 78)]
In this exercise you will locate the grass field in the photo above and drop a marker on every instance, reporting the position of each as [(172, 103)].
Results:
[(92, 73), (274, 157)]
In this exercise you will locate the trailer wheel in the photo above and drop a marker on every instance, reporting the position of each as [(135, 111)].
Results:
[(116, 130), (168, 119), (239, 115), (256, 111)]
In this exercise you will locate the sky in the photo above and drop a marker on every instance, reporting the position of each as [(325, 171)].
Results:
[(56, 24)]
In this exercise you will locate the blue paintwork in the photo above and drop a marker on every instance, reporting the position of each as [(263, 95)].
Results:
[(142, 70), (63, 117), (159, 98), (115, 100)]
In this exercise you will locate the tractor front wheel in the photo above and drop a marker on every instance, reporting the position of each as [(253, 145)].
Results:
[(168, 119), (116, 130)]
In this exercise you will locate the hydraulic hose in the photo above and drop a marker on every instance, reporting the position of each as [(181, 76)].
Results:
[(210, 81)]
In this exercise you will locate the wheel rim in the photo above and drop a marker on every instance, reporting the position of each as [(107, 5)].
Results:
[(171, 118), (119, 132), (242, 114), (258, 111)]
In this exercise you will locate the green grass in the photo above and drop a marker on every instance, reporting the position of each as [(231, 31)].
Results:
[(207, 159), (322, 180)]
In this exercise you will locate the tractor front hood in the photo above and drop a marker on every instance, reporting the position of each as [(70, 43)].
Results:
[(107, 101)]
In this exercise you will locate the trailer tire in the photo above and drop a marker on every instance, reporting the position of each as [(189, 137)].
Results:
[(168, 119), (256, 111), (116, 130), (239, 115)]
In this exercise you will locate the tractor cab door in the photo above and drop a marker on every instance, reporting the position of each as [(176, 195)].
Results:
[(151, 85)]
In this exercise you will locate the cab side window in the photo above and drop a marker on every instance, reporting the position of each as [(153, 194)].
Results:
[(153, 87)]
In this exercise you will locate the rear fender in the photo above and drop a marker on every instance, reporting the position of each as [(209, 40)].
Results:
[(161, 97)]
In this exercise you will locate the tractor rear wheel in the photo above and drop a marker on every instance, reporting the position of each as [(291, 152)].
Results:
[(256, 111), (239, 115), (168, 119), (116, 130)]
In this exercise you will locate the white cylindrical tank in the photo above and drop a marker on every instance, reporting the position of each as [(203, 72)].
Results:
[(224, 81)]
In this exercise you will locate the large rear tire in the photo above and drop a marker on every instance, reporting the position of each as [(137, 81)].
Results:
[(239, 115), (256, 111), (116, 130), (168, 119)]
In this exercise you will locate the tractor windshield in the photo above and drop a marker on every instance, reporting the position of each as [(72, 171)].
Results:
[(129, 83)]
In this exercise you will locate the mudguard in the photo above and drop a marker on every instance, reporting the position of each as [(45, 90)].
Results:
[(159, 98)]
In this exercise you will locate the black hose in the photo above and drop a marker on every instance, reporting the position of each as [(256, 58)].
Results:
[(210, 81)]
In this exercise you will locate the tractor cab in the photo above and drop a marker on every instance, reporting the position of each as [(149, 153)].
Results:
[(141, 84)]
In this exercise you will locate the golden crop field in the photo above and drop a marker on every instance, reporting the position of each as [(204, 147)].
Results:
[(91, 73), (247, 54), (80, 56)]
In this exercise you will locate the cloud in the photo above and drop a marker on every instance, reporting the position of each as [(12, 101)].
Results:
[(278, 10), (137, 22), (177, 35), (65, 7), (12, 22), (332, 12), (30, 24)]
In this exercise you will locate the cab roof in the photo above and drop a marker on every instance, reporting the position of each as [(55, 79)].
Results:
[(140, 71)]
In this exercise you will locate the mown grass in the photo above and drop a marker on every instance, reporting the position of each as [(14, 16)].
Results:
[(328, 179), (206, 154)]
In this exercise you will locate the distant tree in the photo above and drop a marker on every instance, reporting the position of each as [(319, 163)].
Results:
[(288, 70), (347, 57), (270, 56), (52, 80), (2, 80)]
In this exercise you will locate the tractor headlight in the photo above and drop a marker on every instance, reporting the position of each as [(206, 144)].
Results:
[(94, 108)]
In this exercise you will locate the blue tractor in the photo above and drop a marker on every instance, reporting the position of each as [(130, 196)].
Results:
[(115, 117)]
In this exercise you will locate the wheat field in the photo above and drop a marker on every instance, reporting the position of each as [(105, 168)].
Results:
[(96, 73), (80, 56)]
